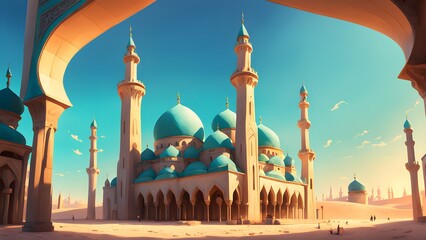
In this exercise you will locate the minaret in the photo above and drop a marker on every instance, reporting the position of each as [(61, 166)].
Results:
[(93, 172), (306, 155), (331, 194), (424, 172), (340, 193), (59, 200), (372, 195), (412, 167), (131, 92), (245, 79), (389, 193)]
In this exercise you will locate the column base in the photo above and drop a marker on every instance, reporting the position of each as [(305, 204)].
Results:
[(38, 227)]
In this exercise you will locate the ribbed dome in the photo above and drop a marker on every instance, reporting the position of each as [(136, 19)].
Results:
[(275, 174), (225, 119), (195, 168), (276, 161), (166, 172), (267, 137), (222, 163), (11, 102), (179, 121), (290, 177), (263, 158), (114, 182), (170, 151), (11, 135), (147, 154), (288, 161), (191, 152), (356, 186), (218, 139), (146, 176)]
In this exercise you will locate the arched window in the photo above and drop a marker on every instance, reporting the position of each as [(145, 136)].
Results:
[(177, 144), (183, 143)]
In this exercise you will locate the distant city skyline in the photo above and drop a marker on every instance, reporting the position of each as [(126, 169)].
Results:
[(358, 105)]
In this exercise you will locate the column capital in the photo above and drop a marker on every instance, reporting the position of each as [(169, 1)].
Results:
[(7, 191), (45, 111), (416, 74)]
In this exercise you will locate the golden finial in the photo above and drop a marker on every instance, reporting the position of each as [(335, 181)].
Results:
[(242, 17), (354, 176), (147, 146), (178, 98), (131, 30), (227, 102)]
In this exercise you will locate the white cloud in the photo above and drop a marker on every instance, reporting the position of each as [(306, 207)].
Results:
[(377, 138), (365, 142), (75, 137), (348, 156), (59, 174), (102, 136), (76, 151), (338, 141), (397, 137), (337, 105), (100, 150), (380, 144), (79, 170), (412, 108), (329, 141), (361, 134)]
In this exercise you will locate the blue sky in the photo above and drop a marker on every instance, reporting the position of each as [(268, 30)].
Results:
[(187, 47)]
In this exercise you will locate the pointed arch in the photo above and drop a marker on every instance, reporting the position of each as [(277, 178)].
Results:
[(236, 203), (160, 206), (186, 206), (171, 206), (217, 207), (151, 207), (141, 206)]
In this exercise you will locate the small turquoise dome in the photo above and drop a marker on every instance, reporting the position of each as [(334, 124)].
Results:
[(114, 182), (147, 154), (276, 161), (275, 174), (290, 177), (263, 158), (267, 137), (166, 172), (191, 152), (407, 124), (226, 119), (11, 135), (243, 31), (170, 151), (218, 139), (356, 186), (303, 89), (11, 102), (288, 161), (146, 176), (179, 121), (94, 124), (222, 163), (195, 168)]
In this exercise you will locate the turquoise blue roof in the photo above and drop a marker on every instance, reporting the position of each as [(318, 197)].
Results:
[(11, 102), (275, 174), (243, 31), (11, 135), (276, 161), (166, 172), (170, 151), (407, 124), (94, 124), (114, 182), (356, 186), (290, 177), (218, 139), (226, 119), (263, 158), (131, 42), (267, 137), (146, 176), (195, 168), (191, 152), (222, 163), (303, 89), (179, 121), (288, 161), (147, 154)]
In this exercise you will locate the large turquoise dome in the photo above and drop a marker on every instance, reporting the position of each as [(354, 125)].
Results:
[(179, 121), (191, 152), (195, 168), (146, 176), (114, 182), (166, 173), (218, 139), (276, 161), (267, 137), (11, 135), (11, 102), (226, 119), (356, 186), (263, 158), (222, 163), (275, 174), (147, 154), (170, 151)]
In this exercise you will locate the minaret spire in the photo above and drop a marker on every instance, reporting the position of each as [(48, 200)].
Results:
[(93, 172), (8, 76), (227, 103)]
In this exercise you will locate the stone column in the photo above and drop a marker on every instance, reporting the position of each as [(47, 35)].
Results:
[(208, 210), (45, 113), (193, 209), (274, 204), (219, 202), (167, 215), (286, 211), (146, 211), (178, 211), (279, 210), (228, 209), (238, 209), (6, 193)]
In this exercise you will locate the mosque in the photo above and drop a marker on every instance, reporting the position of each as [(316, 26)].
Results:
[(238, 172)]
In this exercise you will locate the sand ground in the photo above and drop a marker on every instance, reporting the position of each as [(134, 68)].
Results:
[(355, 229)]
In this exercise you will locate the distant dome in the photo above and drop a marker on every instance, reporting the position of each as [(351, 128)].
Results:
[(267, 137), (290, 177), (114, 182), (356, 186), (11, 102), (263, 158), (179, 121), (191, 152), (147, 154), (170, 151), (226, 119), (146, 176), (166, 173), (11, 135), (222, 163), (195, 168), (275, 174), (218, 139), (288, 161), (276, 161)]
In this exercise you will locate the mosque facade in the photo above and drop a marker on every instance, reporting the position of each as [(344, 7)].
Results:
[(237, 172)]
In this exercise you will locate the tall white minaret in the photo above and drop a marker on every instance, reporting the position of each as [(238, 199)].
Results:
[(131, 92), (412, 167), (306, 154), (340, 193), (93, 172), (245, 79)]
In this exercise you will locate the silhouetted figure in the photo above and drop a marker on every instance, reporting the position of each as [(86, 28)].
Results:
[(338, 229), (139, 218), (331, 231), (319, 227), (347, 222), (73, 218), (374, 218), (371, 218)]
